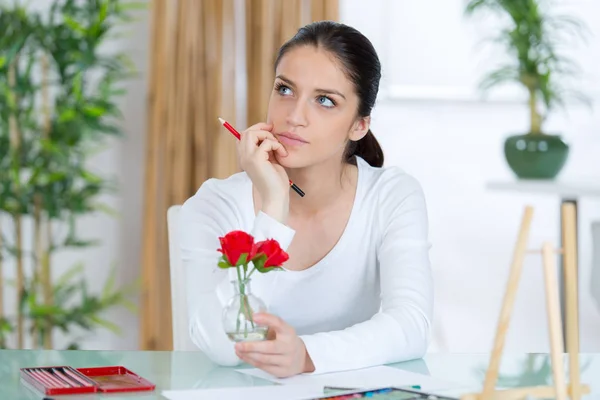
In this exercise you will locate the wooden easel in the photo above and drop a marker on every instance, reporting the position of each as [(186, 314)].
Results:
[(561, 390)]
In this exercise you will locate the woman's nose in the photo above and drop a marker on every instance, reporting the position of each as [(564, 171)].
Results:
[(297, 115)]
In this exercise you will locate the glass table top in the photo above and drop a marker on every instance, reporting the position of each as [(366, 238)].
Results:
[(193, 370)]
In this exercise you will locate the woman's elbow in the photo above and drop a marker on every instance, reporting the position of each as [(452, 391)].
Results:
[(218, 353), (415, 329)]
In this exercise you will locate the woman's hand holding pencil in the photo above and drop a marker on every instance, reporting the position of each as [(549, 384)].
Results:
[(257, 150)]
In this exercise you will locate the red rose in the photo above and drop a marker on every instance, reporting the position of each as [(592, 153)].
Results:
[(270, 255), (235, 244)]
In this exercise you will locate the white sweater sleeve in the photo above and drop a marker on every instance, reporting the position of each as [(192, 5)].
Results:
[(401, 329), (205, 217)]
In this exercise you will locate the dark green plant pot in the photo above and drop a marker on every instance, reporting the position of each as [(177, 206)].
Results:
[(536, 156)]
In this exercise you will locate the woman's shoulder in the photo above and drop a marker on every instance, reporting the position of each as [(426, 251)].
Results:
[(397, 198), (391, 184)]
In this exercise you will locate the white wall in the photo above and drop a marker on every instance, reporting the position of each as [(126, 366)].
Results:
[(431, 122)]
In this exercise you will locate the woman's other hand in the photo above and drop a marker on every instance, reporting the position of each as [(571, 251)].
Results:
[(282, 355)]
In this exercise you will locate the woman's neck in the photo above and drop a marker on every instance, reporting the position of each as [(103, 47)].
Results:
[(323, 184)]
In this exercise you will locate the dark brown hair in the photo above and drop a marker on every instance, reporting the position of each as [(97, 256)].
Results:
[(361, 64)]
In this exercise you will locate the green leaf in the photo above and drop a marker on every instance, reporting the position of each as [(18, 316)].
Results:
[(5, 325), (105, 208), (73, 242), (42, 310), (67, 115), (101, 18), (129, 305), (223, 263), (259, 263), (71, 23), (109, 285), (242, 260), (68, 275), (499, 76), (91, 178), (94, 111), (106, 324)]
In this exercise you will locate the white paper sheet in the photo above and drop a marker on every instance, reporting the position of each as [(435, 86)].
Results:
[(275, 392), (360, 379)]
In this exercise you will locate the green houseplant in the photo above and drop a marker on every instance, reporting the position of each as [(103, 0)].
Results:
[(58, 94), (532, 36)]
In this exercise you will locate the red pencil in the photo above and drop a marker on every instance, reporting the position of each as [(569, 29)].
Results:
[(238, 136)]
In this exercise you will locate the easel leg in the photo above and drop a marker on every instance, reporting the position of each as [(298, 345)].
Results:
[(571, 294), (507, 305), (554, 321)]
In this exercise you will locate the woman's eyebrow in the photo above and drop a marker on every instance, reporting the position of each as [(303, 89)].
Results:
[(331, 91)]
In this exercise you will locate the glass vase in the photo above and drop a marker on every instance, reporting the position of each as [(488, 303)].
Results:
[(238, 314)]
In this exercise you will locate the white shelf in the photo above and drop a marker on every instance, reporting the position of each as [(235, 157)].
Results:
[(562, 188)]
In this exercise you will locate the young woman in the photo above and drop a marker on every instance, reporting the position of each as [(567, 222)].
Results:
[(357, 289)]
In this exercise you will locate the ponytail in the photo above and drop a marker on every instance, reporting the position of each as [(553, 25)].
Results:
[(367, 148)]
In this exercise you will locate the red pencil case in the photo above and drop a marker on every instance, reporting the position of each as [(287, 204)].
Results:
[(61, 380)]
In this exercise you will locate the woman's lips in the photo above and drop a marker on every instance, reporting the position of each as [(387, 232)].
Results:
[(291, 140)]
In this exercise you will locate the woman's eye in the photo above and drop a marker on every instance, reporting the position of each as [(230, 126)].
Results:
[(325, 101), (284, 90)]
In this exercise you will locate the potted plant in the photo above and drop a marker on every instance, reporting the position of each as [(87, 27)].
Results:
[(531, 37), (58, 105)]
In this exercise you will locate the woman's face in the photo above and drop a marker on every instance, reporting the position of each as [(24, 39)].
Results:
[(313, 108)]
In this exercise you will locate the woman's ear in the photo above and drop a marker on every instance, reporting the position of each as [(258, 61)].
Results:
[(360, 128)]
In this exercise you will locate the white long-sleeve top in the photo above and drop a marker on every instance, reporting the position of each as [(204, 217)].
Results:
[(368, 302)]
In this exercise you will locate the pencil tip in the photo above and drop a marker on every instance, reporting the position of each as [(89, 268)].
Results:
[(221, 120)]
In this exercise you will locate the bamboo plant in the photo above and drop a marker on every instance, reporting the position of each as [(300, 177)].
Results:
[(58, 105), (532, 37)]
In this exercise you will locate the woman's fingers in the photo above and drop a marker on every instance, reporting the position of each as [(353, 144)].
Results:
[(253, 138), (261, 126), (269, 145), (263, 359), (276, 365)]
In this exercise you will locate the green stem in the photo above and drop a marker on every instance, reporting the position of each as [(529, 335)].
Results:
[(250, 314), (245, 309), (239, 274), (237, 322)]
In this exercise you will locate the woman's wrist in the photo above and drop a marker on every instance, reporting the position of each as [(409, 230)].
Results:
[(277, 208)]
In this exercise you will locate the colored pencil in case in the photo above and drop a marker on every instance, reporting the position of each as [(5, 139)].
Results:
[(78, 378), (46, 377), (40, 378), (61, 379), (238, 136), (65, 378), (57, 380)]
